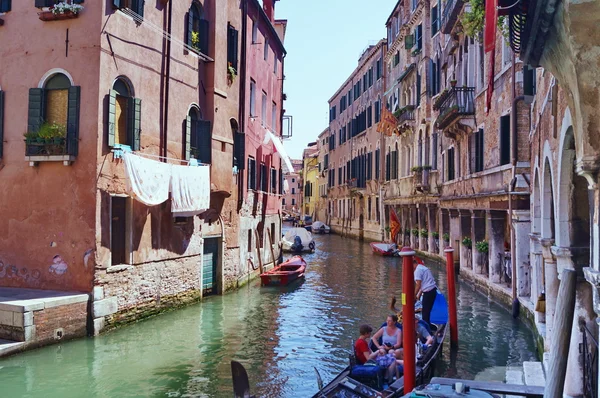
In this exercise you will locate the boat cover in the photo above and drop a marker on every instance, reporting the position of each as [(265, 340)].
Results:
[(439, 312), (301, 232), (385, 247), (318, 225)]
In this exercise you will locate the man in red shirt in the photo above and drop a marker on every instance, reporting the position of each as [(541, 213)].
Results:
[(361, 346)]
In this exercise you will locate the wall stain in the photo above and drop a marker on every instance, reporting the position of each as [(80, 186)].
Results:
[(59, 266)]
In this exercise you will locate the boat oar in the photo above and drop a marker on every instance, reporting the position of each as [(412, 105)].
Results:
[(241, 385), (319, 379)]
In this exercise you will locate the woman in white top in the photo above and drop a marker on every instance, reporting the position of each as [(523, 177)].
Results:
[(391, 335)]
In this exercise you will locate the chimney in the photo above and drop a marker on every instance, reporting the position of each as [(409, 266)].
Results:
[(269, 7)]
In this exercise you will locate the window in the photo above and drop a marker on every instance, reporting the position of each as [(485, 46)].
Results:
[(434, 140), (274, 116), (379, 69), (263, 109), (266, 49), (274, 62), (263, 178), (118, 230), (370, 76), (293, 181), (232, 47), (293, 191), (413, 4), (254, 32), (529, 82), (450, 167), (377, 163), (136, 6), (435, 20), (419, 36), (283, 201), (197, 27), (124, 116), (5, 6), (252, 98), (273, 180), (505, 140), (55, 107), (198, 138), (239, 149), (249, 241), (377, 111), (251, 173), (477, 151), (293, 201)]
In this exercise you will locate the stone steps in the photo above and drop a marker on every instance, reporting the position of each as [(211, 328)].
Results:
[(530, 374), (8, 347)]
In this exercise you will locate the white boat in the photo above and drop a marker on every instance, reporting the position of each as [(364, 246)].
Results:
[(297, 240), (320, 228)]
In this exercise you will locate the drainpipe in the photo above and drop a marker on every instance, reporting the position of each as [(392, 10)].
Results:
[(168, 79), (242, 97), (513, 182)]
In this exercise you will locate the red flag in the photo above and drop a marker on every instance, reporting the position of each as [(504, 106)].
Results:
[(394, 224), (491, 16)]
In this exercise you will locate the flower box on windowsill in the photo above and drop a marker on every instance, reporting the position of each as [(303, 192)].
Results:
[(50, 16), (47, 150)]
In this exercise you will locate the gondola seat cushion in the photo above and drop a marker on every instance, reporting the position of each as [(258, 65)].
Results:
[(370, 374)]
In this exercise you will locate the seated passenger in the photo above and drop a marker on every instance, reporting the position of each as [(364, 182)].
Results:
[(422, 331), (391, 335), (363, 353)]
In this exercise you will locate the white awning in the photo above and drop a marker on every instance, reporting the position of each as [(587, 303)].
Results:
[(287, 163)]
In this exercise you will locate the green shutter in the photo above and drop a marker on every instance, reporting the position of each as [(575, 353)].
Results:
[(37, 102), (44, 3), (112, 112), (204, 139), (117, 3), (73, 120), (188, 137), (240, 150), (139, 7), (137, 124), (203, 33), (189, 28), (1, 122), (409, 42)]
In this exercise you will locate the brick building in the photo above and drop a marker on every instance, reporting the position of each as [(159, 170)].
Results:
[(353, 172), (128, 89)]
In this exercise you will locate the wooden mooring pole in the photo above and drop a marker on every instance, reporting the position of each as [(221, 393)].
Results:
[(408, 318), (451, 296), (563, 322)]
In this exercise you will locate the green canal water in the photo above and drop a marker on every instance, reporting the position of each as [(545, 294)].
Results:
[(280, 335)]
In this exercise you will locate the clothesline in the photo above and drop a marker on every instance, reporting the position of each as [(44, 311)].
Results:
[(160, 157)]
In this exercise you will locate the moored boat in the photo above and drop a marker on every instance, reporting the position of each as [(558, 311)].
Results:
[(384, 248), (285, 273), (298, 240), (320, 228)]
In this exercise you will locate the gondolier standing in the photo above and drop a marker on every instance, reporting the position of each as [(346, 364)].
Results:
[(425, 286)]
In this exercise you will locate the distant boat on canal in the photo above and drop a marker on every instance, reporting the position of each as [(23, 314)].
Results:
[(284, 274), (298, 240), (319, 227), (384, 248)]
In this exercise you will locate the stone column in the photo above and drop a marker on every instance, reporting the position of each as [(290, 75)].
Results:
[(495, 236), (466, 260), (455, 231), (440, 229), (593, 277), (537, 277), (551, 289), (478, 232), (522, 225), (420, 227), (431, 226)]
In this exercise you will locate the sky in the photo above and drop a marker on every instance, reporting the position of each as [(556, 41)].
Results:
[(324, 39)]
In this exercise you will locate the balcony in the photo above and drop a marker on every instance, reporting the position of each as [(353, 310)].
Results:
[(450, 15), (421, 178), (454, 105), (405, 114), (352, 183)]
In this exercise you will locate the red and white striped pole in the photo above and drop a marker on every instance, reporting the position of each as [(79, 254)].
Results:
[(408, 318), (451, 296)]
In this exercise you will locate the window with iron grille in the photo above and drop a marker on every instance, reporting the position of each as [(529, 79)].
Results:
[(251, 173), (264, 178)]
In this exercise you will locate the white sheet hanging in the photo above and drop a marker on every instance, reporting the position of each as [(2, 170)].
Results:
[(287, 164), (190, 190), (147, 180), (286, 186)]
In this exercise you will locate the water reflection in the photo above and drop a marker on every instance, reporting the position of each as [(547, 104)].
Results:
[(278, 334)]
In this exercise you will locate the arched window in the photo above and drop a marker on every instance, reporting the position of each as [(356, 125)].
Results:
[(124, 115), (197, 28), (54, 114), (198, 137)]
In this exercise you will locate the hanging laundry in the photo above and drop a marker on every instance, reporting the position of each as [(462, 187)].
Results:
[(147, 181), (287, 164), (190, 190)]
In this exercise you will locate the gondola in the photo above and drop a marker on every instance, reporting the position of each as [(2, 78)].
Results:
[(385, 248), (347, 385)]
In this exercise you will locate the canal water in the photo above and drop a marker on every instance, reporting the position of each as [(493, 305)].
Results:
[(280, 335)]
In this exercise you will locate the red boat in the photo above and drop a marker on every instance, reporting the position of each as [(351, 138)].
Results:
[(384, 248), (285, 273)]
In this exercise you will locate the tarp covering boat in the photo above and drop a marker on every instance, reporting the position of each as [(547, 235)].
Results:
[(319, 227), (384, 248), (298, 240)]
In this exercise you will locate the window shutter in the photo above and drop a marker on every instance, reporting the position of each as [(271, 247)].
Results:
[(73, 120), (235, 50), (419, 37), (44, 3), (112, 112), (135, 122), (1, 122), (189, 27), (430, 83), (204, 140), (116, 3), (280, 182), (240, 150), (418, 99), (37, 107), (5, 5), (203, 33), (139, 7), (188, 137), (77, 1)]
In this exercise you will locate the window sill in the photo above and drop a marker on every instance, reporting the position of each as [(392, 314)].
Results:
[(200, 55), (34, 160), (50, 16)]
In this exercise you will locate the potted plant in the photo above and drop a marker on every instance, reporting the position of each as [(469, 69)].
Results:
[(435, 235), (424, 233), (446, 237), (48, 140), (196, 41), (62, 10), (467, 242), (453, 82), (231, 72), (482, 246), (415, 232)]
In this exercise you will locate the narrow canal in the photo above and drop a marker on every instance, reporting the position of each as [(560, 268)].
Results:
[(279, 334)]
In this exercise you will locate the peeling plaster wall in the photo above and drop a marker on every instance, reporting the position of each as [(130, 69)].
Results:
[(47, 214)]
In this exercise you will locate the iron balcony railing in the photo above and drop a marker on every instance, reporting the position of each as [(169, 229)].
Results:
[(406, 114), (49, 147), (450, 15), (589, 351), (458, 102)]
